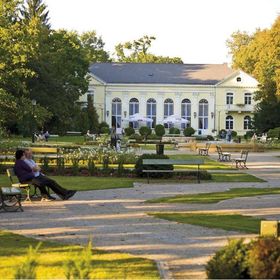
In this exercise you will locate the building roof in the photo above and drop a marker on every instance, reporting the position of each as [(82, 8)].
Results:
[(155, 73)]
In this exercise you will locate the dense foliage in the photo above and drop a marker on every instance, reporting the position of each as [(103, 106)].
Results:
[(174, 130), (188, 131), (139, 167), (159, 130), (259, 259), (145, 131), (50, 66), (138, 51), (258, 54)]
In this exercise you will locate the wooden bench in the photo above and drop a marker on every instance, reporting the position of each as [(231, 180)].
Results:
[(223, 156), (242, 160), (10, 199), (15, 184), (204, 151), (156, 162)]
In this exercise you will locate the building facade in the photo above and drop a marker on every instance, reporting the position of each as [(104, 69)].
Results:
[(210, 96)]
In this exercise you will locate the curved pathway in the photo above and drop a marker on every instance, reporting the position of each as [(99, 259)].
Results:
[(117, 220)]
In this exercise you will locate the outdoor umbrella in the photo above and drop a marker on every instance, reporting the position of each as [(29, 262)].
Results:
[(138, 118), (173, 119)]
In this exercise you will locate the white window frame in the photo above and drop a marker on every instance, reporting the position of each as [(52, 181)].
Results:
[(133, 109), (117, 111), (168, 109), (229, 122), (229, 98), (203, 114), (248, 98), (247, 123), (152, 108), (186, 111)]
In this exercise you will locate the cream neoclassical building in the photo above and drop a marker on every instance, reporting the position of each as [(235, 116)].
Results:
[(210, 96)]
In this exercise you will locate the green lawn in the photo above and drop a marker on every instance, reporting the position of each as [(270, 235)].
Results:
[(152, 147), (68, 139), (215, 197), (210, 164), (232, 222), (84, 183), (52, 256), (235, 177)]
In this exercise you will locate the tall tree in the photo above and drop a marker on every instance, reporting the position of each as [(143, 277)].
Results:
[(258, 54), (94, 47), (92, 115), (36, 9), (138, 51)]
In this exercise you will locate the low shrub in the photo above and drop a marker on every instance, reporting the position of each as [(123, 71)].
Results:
[(201, 138), (259, 259), (129, 131), (136, 137), (264, 258), (188, 131), (203, 175), (229, 262), (145, 131), (139, 166), (153, 137), (103, 128), (274, 133), (159, 130), (233, 133), (174, 130), (248, 135), (210, 138)]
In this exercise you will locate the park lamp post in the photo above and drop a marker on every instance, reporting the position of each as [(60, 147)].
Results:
[(33, 102)]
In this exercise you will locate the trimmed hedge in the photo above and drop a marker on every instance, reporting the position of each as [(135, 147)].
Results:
[(188, 131), (139, 166), (129, 131), (159, 130), (259, 259), (174, 130)]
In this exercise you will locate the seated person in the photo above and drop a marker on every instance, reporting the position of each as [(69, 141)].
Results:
[(90, 136), (28, 171)]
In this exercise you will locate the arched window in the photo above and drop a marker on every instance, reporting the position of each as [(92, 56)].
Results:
[(229, 122), (247, 98), (133, 106), (247, 122), (152, 112), (203, 115), (229, 98), (133, 109), (186, 111), (168, 109), (117, 112)]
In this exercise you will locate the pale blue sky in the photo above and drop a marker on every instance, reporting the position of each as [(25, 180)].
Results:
[(195, 30)]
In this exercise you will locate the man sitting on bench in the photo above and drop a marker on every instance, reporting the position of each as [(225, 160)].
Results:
[(28, 171)]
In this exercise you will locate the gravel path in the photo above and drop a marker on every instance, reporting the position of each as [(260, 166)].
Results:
[(117, 220)]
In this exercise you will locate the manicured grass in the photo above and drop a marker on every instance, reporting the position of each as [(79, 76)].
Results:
[(52, 256), (210, 164), (152, 147), (215, 197), (231, 222), (68, 139), (235, 177), (83, 183)]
